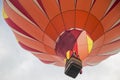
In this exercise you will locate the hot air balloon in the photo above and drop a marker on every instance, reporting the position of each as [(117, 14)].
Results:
[(67, 33)]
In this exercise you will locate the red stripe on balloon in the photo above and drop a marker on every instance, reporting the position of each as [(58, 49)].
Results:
[(116, 2), (41, 5), (21, 8), (17, 28), (47, 62), (28, 48)]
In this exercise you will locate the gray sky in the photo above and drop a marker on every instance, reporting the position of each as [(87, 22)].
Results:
[(18, 64)]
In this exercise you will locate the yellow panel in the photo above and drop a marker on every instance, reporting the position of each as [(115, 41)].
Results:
[(68, 54), (90, 44), (4, 14)]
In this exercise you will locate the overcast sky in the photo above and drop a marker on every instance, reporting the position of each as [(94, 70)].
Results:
[(18, 64)]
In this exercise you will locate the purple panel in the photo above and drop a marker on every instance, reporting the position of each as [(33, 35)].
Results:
[(66, 41)]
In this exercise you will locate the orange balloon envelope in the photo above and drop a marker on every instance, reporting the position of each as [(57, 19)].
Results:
[(49, 29)]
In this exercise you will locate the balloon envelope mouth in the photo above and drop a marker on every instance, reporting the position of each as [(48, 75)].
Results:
[(74, 39), (66, 41)]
